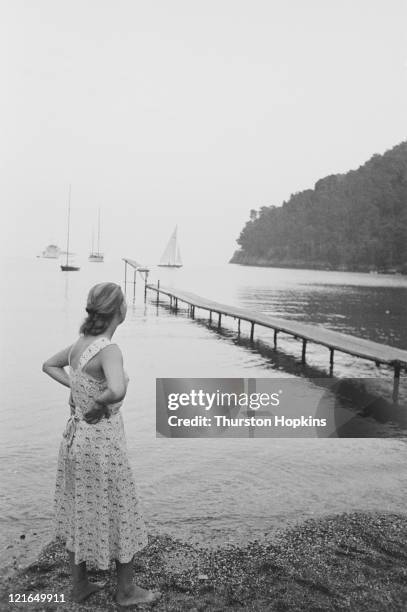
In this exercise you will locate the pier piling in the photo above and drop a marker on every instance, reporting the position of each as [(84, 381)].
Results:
[(304, 350), (396, 384), (145, 284), (331, 361)]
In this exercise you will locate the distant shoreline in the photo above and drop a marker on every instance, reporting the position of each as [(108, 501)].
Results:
[(243, 259)]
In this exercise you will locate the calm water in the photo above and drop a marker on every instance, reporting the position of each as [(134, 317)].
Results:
[(210, 490)]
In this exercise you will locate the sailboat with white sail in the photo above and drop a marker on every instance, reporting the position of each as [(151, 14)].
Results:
[(171, 258), (69, 267), (96, 256)]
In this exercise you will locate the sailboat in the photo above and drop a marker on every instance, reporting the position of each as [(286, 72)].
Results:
[(67, 267), (96, 256), (171, 258)]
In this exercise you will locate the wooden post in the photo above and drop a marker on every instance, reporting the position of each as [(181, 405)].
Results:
[(158, 291), (238, 328), (219, 320), (192, 311), (176, 304), (396, 384), (134, 285), (145, 285), (252, 333), (275, 338), (331, 361), (304, 350), (251, 388), (125, 277)]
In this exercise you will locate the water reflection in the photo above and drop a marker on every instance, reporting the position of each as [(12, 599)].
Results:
[(374, 313)]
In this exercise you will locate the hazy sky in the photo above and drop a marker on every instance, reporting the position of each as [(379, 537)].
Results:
[(186, 111)]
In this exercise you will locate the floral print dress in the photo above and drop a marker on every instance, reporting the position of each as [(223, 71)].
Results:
[(97, 510)]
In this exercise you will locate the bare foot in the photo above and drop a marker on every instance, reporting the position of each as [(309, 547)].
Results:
[(136, 595), (82, 591)]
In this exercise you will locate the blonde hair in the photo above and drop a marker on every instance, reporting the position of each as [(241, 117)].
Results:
[(104, 301)]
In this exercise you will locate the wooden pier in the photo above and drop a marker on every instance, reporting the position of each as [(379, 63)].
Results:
[(334, 341)]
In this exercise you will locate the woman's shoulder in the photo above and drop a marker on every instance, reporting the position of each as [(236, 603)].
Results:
[(111, 350), (92, 345)]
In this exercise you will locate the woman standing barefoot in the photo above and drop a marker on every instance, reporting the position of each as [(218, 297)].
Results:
[(96, 505)]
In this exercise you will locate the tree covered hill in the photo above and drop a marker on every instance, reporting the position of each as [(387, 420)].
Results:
[(352, 221)]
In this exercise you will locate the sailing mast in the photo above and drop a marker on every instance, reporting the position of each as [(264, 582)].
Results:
[(69, 221), (99, 231), (96, 256), (67, 267)]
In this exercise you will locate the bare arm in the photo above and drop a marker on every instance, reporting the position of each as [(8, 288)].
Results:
[(55, 367), (112, 365)]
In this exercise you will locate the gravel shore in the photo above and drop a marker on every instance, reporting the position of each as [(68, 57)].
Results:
[(355, 562)]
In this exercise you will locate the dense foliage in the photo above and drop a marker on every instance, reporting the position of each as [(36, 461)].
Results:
[(355, 221)]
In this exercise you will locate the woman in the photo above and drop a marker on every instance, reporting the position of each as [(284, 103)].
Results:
[(97, 510)]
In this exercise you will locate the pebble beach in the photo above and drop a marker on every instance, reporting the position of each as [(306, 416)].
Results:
[(351, 561)]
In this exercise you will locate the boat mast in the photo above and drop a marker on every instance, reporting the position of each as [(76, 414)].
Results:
[(99, 231), (69, 218)]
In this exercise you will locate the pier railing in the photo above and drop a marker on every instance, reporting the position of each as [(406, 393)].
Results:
[(136, 267)]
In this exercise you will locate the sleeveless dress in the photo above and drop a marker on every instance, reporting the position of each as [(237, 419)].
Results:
[(97, 511)]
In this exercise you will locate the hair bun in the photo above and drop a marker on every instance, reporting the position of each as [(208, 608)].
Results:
[(103, 303)]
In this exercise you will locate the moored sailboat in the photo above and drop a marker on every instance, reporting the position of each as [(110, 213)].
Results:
[(67, 267), (96, 256), (171, 258)]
